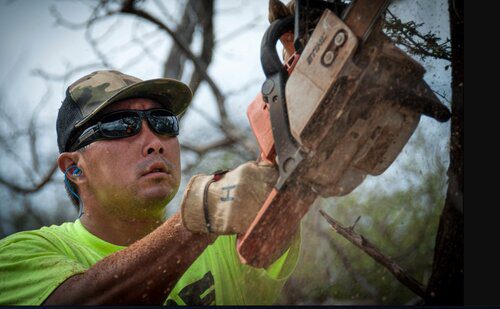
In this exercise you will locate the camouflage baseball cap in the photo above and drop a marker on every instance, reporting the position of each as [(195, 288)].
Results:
[(90, 94)]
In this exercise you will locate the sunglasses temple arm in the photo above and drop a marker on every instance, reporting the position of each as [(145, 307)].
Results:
[(85, 141)]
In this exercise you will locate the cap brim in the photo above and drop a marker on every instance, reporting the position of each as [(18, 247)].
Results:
[(172, 94)]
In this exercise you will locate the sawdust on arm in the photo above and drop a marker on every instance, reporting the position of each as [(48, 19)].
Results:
[(143, 273)]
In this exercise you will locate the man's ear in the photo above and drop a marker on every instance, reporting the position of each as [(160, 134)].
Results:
[(68, 159)]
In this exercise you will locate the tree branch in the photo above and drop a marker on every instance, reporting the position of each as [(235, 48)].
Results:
[(6, 146), (164, 11), (355, 276), (205, 20), (201, 67), (362, 243), (94, 45), (23, 190), (144, 46), (61, 77), (28, 208), (32, 130), (173, 66), (405, 34), (201, 150), (129, 8)]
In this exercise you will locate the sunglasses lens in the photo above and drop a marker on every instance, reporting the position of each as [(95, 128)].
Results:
[(127, 123), (120, 124), (163, 122)]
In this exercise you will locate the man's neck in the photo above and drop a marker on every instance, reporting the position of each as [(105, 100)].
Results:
[(117, 229), (119, 232)]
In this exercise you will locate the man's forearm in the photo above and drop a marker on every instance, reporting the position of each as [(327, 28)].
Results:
[(143, 273)]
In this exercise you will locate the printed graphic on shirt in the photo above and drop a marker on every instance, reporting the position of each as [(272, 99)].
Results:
[(198, 293)]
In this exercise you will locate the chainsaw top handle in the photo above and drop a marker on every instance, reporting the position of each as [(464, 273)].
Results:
[(271, 63)]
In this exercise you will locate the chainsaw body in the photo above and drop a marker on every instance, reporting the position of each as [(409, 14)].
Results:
[(348, 107)]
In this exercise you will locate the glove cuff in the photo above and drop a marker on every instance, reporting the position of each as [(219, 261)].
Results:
[(193, 214)]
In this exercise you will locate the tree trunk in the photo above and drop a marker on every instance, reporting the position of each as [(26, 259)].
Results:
[(446, 285)]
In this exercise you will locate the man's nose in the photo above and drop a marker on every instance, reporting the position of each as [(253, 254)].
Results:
[(152, 141)]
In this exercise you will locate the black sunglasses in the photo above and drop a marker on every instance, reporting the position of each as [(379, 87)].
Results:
[(127, 123)]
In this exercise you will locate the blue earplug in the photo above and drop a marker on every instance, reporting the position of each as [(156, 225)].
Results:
[(77, 172)]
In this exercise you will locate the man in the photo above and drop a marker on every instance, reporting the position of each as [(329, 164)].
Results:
[(121, 160)]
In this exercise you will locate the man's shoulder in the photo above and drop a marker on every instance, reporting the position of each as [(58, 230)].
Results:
[(43, 234)]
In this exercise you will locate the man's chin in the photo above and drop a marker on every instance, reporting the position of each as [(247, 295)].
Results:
[(160, 196)]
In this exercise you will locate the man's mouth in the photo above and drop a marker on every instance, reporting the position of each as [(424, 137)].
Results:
[(157, 167)]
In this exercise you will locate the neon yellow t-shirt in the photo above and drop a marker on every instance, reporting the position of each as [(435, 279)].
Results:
[(34, 263)]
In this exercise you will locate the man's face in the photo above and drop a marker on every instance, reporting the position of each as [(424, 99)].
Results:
[(135, 175)]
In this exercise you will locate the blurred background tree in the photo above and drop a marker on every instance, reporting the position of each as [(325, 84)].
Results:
[(214, 47), (402, 223)]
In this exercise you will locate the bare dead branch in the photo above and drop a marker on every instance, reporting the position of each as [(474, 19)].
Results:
[(140, 41), (201, 150), (29, 210), (205, 19), (200, 63), (442, 95), (164, 11), (207, 118), (201, 67), (187, 168), (95, 47), (60, 20), (137, 59), (354, 224), (32, 133), (145, 47), (129, 8), (24, 190), (96, 15), (125, 47), (8, 119), (173, 65), (135, 41), (407, 34), (61, 77), (359, 241), (355, 276), (205, 12), (109, 31), (6, 146)]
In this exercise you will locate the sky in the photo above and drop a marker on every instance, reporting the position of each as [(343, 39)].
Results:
[(31, 39)]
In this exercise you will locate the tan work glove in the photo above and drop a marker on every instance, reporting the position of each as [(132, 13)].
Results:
[(227, 202)]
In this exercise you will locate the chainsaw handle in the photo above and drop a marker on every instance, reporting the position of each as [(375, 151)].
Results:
[(271, 63)]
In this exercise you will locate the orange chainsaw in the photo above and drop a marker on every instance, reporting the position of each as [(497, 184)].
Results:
[(341, 107)]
